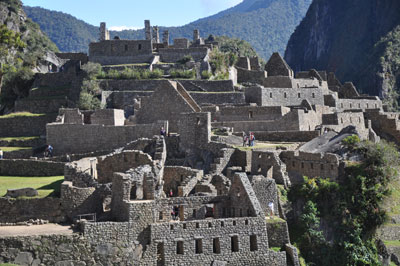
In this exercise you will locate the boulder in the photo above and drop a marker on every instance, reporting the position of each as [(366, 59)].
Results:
[(21, 192)]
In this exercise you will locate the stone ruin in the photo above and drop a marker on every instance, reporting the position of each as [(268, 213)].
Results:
[(190, 196)]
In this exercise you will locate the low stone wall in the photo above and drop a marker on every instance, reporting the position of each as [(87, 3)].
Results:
[(30, 168), (21, 210), (23, 143), (172, 55), (18, 154), (61, 250), (218, 98), (278, 234), (286, 136), (22, 126), (208, 86)]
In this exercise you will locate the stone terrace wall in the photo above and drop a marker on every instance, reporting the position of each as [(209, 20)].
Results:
[(21, 210), (74, 56), (286, 136), (176, 176), (87, 138), (30, 168), (243, 113), (208, 86), (58, 250), (204, 98), (172, 55), (25, 126), (132, 85)]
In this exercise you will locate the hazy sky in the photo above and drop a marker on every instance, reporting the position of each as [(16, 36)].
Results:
[(132, 13)]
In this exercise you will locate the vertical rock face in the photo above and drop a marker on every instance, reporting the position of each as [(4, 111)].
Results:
[(355, 39)]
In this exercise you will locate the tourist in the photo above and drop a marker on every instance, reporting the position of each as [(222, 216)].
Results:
[(163, 132), (49, 151), (251, 139), (171, 193), (245, 139), (1, 154), (271, 208)]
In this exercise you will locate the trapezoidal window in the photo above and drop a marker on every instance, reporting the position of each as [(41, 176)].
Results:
[(313, 95), (235, 244), (216, 246), (179, 248), (250, 114), (270, 95), (298, 95), (140, 47), (199, 246), (285, 95), (126, 47), (253, 243)]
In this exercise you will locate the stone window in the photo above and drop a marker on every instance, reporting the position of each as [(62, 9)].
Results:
[(285, 95), (160, 253), (184, 226), (253, 243), (126, 47), (216, 246), (140, 47), (270, 95), (199, 246), (359, 120), (341, 105), (246, 222), (209, 225), (302, 165), (376, 106), (331, 166), (160, 216), (341, 120), (133, 195), (351, 120), (359, 105), (312, 166), (367, 105), (222, 224), (299, 95), (351, 105), (234, 243), (182, 177), (234, 223), (194, 213), (313, 95), (171, 227), (179, 248), (250, 114), (197, 225)]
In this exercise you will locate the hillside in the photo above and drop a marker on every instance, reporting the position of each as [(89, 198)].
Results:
[(265, 24), (22, 49), (359, 40)]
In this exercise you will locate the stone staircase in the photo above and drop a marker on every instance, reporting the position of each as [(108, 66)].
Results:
[(187, 97), (222, 161)]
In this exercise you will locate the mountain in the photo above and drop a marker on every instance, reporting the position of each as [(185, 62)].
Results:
[(265, 24), (359, 40)]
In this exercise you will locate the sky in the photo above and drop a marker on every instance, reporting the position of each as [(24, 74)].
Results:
[(120, 14)]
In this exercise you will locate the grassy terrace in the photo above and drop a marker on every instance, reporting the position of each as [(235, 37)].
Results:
[(21, 114), (10, 149), (19, 138), (264, 145), (48, 186)]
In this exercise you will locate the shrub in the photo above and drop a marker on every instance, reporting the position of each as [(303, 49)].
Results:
[(185, 59), (183, 74), (92, 70), (156, 73), (206, 74)]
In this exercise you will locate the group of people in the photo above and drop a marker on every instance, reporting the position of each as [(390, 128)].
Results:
[(248, 140)]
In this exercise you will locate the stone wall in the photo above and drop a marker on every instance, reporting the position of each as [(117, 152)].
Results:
[(132, 85), (312, 165), (30, 168), (278, 233), (21, 210), (243, 113), (110, 117), (253, 76), (116, 52), (208, 85), (338, 121), (195, 130), (204, 98), (176, 177), (286, 136), (88, 138), (172, 55), (74, 56), (21, 126)]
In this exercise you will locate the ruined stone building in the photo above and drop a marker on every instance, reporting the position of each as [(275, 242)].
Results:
[(191, 196)]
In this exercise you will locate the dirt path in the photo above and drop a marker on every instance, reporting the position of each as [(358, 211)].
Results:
[(46, 229)]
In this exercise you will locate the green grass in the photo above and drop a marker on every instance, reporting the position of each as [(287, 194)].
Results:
[(10, 149), (19, 138), (46, 186), (392, 203), (263, 146), (20, 114), (274, 219), (8, 264), (394, 243), (276, 249)]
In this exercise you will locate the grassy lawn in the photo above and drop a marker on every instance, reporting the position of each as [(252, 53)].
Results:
[(7, 264), (264, 146), (392, 203), (392, 243), (9, 149), (46, 186), (19, 138), (276, 249), (20, 114)]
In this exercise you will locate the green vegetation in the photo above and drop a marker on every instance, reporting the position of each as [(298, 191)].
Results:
[(20, 114), (182, 74), (10, 149), (205, 75), (186, 59), (352, 210), (266, 24), (276, 249), (89, 98), (7, 264), (46, 186), (10, 139), (20, 52), (130, 73)]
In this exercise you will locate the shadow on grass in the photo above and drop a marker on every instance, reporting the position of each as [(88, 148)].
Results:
[(55, 186)]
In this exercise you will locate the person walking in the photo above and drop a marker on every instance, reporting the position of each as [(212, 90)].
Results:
[(1, 154), (245, 139)]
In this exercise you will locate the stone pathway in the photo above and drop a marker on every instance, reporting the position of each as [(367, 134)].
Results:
[(46, 229)]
